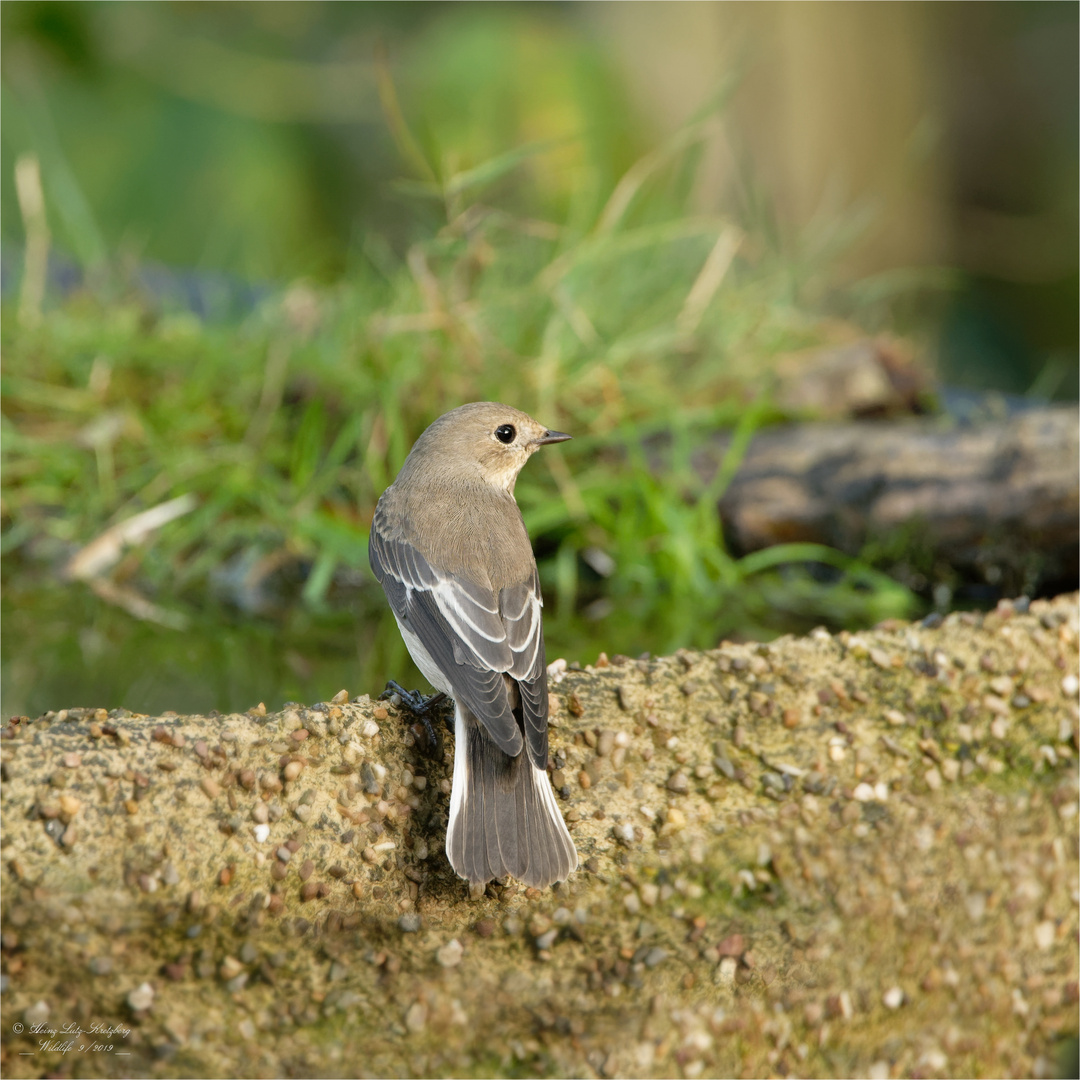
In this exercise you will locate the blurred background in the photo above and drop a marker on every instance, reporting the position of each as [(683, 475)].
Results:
[(250, 250)]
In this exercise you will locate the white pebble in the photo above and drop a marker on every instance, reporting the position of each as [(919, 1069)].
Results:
[(881, 791), (725, 973), (1045, 933), (37, 1014), (976, 905), (450, 954), (934, 1059), (262, 832), (142, 997), (1070, 686), (863, 793), (893, 998), (370, 729)]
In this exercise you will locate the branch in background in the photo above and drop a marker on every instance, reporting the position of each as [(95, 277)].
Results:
[(984, 498), (103, 552)]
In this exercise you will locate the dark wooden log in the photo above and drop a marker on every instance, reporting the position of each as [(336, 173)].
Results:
[(998, 502)]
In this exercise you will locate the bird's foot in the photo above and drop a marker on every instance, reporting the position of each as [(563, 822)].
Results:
[(421, 706)]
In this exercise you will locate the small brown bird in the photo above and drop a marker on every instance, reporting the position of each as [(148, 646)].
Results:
[(450, 550)]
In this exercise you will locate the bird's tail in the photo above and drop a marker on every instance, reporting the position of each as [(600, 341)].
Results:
[(503, 816)]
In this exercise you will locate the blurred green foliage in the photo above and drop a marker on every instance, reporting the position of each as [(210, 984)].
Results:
[(252, 137), (563, 275), (288, 426)]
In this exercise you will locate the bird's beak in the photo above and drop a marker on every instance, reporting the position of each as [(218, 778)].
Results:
[(553, 436)]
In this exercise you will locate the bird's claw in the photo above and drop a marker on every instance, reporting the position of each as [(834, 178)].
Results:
[(421, 706)]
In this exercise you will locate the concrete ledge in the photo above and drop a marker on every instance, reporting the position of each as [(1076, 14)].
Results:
[(850, 855)]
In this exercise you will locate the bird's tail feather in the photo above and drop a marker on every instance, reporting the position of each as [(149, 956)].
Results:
[(503, 815)]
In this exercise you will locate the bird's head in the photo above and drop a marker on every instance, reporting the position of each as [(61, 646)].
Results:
[(483, 439)]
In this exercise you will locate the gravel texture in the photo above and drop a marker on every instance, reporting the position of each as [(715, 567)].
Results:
[(849, 855)]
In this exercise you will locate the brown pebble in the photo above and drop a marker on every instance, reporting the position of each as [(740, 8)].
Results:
[(379, 712), (225, 876), (340, 698), (732, 945), (293, 770), (308, 891), (230, 968), (323, 890), (277, 902), (759, 703), (791, 718), (531, 893), (584, 780), (246, 779), (307, 869), (573, 704), (337, 871), (95, 731), (678, 783), (299, 735), (485, 928), (162, 735), (131, 806), (72, 761), (278, 870), (176, 971), (358, 889), (210, 787), (201, 749)]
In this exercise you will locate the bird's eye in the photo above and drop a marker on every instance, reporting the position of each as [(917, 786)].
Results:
[(505, 433)]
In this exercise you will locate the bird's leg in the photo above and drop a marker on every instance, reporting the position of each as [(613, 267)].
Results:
[(423, 708)]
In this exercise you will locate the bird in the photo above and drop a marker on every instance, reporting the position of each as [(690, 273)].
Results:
[(450, 549)]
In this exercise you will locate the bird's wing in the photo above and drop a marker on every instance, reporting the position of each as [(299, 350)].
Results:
[(519, 608), (459, 624)]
